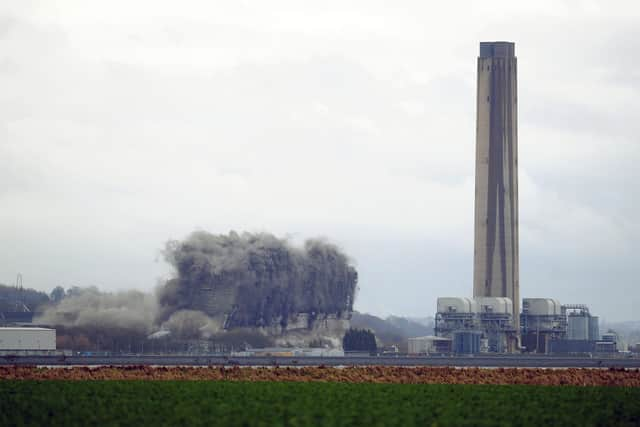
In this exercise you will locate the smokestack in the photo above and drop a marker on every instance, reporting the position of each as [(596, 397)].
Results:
[(495, 272)]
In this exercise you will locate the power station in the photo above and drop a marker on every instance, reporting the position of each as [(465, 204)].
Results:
[(230, 289), (492, 321)]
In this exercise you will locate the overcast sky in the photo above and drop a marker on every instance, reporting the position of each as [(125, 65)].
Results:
[(126, 123)]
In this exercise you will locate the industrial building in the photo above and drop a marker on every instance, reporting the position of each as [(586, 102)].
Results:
[(481, 325), (475, 325), (429, 345), (542, 320), (18, 340), (608, 343), (493, 321), (550, 327), (581, 324)]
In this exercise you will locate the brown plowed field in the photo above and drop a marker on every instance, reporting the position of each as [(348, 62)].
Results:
[(372, 374)]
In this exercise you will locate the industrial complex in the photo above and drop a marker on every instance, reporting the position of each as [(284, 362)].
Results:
[(307, 294), (493, 320), (487, 325)]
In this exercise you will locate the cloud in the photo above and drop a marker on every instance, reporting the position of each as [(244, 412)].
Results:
[(121, 130)]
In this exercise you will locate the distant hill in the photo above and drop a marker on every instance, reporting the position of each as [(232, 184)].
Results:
[(393, 329), (424, 321), (411, 328)]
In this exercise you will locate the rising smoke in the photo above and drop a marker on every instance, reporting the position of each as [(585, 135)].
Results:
[(88, 307), (191, 324), (257, 278), (251, 280), (104, 320)]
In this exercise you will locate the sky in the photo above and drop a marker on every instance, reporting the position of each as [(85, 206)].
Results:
[(126, 124)]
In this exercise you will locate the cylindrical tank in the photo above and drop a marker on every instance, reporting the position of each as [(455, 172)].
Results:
[(466, 342), (578, 327), (456, 305), (497, 305), (542, 306), (594, 328)]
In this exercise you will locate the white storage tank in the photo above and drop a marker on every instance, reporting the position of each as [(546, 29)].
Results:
[(457, 305), (578, 327), (542, 306), (27, 339), (498, 305), (594, 328)]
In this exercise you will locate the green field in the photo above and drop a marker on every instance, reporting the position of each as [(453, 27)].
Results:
[(137, 403)]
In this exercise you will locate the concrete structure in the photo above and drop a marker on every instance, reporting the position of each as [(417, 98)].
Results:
[(429, 345), (495, 272), (23, 339)]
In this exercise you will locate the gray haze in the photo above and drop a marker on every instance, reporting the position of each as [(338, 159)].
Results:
[(130, 311), (125, 124)]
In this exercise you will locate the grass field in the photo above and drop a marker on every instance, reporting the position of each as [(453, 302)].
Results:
[(177, 403)]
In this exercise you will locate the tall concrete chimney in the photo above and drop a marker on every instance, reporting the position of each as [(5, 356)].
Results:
[(495, 270)]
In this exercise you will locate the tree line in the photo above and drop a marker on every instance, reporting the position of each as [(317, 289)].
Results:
[(359, 340)]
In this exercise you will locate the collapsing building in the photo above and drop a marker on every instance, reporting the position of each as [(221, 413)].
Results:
[(258, 282)]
